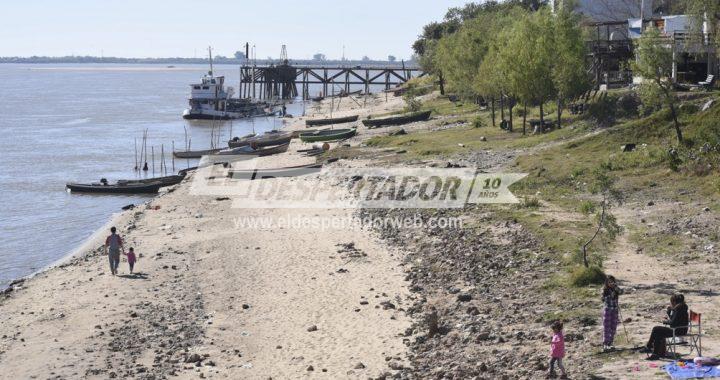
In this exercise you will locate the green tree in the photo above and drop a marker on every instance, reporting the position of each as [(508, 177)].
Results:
[(493, 75), (654, 64), (528, 54), (705, 11), (568, 64), (603, 185)]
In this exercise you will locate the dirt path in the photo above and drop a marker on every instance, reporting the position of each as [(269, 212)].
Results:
[(648, 282)]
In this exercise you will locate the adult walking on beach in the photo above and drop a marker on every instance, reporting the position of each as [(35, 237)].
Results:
[(113, 247)]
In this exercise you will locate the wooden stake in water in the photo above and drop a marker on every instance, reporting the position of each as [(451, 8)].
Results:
[(187, 160), (135, 155), (152, 155), (332, 99), (145, 165), (173, 156)]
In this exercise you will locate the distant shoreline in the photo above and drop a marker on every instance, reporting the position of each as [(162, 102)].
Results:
[(196, 61)]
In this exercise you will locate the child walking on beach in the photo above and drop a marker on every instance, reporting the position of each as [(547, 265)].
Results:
[(610, 296), (557, 351), (131, 258)]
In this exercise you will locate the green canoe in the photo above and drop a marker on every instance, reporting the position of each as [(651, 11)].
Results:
[(327, 135)]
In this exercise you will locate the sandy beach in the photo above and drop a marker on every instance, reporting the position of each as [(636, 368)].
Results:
[(212, 299), (218, 296)]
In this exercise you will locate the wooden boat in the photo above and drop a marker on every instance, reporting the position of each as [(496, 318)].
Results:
[(327, 135), (267, 139), (118, 188), (397, 119), (130, 186), (318, 99), (250, 151), (165, 181), (195, 153), (296, 133), (291, 171), (336, 120), (240, 141)]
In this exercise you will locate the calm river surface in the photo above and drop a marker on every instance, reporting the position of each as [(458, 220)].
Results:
[(61, 123)]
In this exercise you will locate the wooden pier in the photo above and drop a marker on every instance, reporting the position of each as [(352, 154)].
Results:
[(282, 81)]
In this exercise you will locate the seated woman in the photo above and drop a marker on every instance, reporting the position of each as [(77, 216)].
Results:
[(677, 318)]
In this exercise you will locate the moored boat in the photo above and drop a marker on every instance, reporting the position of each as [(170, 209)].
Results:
[(211, 100), (397, 119), (327, 135), (130, 186), (118, 188), (329, 121), (165, 181)]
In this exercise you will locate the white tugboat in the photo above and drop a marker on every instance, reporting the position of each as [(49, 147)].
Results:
[(209, 100)]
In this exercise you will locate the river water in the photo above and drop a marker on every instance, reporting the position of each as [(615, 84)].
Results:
[(61, 123)]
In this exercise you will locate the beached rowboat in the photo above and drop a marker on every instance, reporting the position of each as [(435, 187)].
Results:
[(336, 120), (327, 135), (195, 153), (397, 120), (291, 171), (267, 139), (250, 151)]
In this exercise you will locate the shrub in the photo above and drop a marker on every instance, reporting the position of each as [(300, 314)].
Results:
[(587, 207), (412, 104), (581, 276), (688, 108), (577, 172), (674, 160), (479, 122), (529, 202)]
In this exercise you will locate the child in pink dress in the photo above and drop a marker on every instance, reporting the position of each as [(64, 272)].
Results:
[(131, 258), (557, 352)]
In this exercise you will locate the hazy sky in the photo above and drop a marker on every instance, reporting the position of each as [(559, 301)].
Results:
[(169, 28)]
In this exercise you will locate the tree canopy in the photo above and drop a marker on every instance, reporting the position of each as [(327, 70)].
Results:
[(515, 50)]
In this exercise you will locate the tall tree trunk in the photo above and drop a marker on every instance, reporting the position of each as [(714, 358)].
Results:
[(542, 116), (492, 110), (597, 231), (673, 112), (559, 113), (442, 83), (511, 104), (502, 108), (678, 131), (524, 116)]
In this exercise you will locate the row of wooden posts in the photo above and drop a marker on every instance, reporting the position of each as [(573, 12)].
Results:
[(261, 82)]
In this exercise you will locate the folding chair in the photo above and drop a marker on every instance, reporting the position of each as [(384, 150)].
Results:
[(707, 83), (693, 338)]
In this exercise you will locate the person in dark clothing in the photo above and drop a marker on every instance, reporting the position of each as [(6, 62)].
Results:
[(677, 318), (610, 297)]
